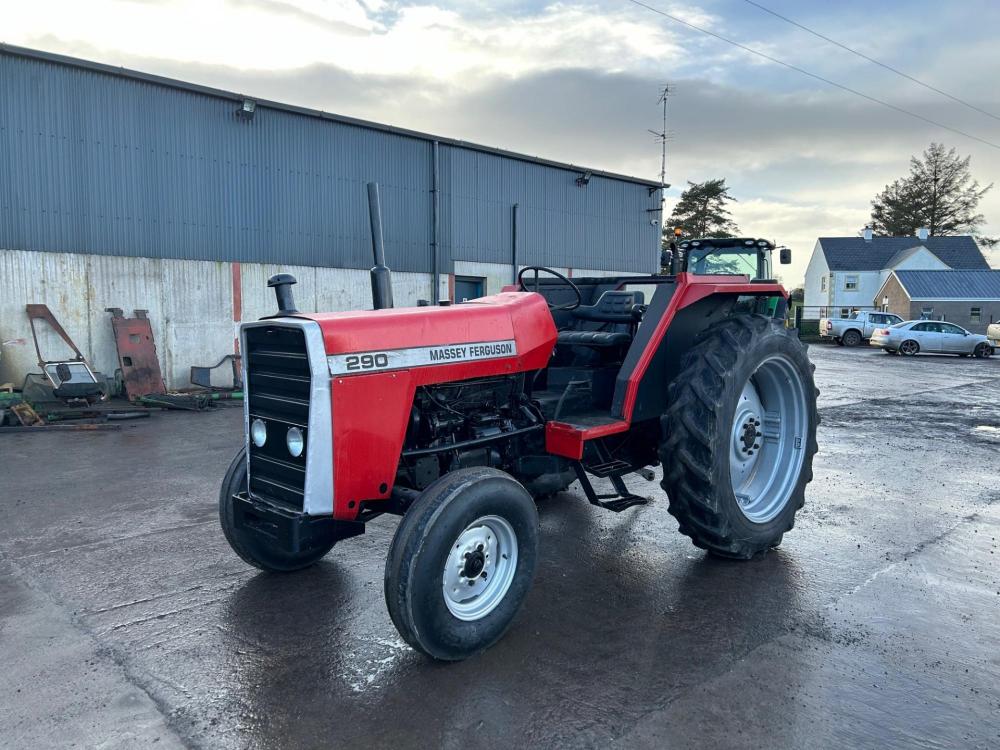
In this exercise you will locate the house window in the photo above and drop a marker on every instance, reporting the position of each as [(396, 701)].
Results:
[(975, 315), (850, 283), (845, 312), (926, 312), (822, 284)]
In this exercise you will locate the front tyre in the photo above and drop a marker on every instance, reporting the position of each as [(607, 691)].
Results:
[(461, 563), (983, 351), (252, 548), (740, 436)]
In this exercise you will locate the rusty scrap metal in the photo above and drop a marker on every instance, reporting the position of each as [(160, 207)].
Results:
[(136, 354), (202, 376), (95, 427), (26, 415), (70, 378)]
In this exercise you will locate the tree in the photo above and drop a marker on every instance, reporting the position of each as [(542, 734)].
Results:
[(939, 193), (702, 212)]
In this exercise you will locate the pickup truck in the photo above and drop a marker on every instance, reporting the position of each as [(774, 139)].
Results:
[(857, 328), (993, 334)]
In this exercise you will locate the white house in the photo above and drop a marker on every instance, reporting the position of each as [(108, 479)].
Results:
[(845, 273)]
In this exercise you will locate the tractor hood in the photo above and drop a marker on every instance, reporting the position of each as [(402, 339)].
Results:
[(503, 333)]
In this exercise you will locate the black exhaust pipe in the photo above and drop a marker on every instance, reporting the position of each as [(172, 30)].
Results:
[(282, 285), (381, 275)]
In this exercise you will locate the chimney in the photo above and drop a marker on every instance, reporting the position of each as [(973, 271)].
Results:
[(868, 233), (923, 233)]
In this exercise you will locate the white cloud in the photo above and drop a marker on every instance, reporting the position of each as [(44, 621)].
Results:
[(424, 40), (577, 81)]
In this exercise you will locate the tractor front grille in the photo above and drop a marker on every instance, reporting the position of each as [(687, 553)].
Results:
[(278, 383)]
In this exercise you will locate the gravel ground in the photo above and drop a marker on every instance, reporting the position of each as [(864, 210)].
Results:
[(125, 620)]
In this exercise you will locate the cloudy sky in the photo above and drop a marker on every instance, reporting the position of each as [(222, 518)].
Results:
[(579, 81)]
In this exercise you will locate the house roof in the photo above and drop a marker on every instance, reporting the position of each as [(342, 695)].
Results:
[(957, 285), (857, 254)]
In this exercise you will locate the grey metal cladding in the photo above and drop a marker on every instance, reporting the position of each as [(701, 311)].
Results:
[(607, 224), (95, 162)]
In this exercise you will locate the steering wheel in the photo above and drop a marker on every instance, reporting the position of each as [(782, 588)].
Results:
[(566, 305)]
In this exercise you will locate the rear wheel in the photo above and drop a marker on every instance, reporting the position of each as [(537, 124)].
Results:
[(461, 563), (909, 348), (252, 548), (740, 435), (851, 338)]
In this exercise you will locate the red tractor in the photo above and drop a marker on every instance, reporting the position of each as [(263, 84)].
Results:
[(458, 417)]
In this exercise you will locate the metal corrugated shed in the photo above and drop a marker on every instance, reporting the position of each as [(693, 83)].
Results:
[(979, 286), (96, 159)]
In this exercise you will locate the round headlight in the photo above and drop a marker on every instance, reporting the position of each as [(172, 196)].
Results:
[(258, 432), (295, 441)]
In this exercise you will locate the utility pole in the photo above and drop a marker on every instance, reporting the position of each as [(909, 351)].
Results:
[(667, 256), (661, 137)]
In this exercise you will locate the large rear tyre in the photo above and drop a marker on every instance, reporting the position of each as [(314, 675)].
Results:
[(461, 563), (251, 548), (740, 436)]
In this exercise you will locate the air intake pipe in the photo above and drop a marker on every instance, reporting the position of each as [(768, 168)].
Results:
[(282, 285), (381, 275)]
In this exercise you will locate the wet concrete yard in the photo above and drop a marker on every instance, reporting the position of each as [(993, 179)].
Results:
[(125, 620)]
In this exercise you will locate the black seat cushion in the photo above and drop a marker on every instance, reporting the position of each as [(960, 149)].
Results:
[(607, 324), (599, 339), (612, 307)]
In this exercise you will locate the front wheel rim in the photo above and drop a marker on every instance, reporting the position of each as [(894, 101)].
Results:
[(480, 568), (767, 439)]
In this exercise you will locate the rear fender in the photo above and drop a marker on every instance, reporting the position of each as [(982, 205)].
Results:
[(654, 358)]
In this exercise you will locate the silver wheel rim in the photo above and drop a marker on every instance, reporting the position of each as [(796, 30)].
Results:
[(480, 568), (767, 440), (908, 347)]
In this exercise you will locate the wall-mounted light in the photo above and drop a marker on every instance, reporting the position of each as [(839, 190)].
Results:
[(247, 109), (584, 179)]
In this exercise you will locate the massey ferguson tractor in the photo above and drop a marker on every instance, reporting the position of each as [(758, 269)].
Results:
[(458, 417)]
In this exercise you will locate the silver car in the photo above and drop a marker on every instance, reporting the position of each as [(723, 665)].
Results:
[(931, 336)]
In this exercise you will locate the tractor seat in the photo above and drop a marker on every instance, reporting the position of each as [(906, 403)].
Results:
[(599, 339), (614, 315)]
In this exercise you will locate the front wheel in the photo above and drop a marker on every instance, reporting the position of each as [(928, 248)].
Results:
[(983, 350), (461, 563), (256, 549), (739, 436)]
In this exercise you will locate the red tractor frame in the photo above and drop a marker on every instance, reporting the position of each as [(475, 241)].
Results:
[(458, 417)]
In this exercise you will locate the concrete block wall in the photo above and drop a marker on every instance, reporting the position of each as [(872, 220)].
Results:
[(194, 306)]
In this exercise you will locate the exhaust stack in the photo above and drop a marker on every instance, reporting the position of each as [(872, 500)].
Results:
[(282, 285), (381, 275)]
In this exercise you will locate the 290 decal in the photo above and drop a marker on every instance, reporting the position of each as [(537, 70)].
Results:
[(367, 361), (399, 359)]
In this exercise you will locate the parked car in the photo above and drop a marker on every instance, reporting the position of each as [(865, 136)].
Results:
[(931, 336), (857, 328), (993, 334)]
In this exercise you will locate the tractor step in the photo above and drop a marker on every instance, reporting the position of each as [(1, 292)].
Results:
[(609, 468), (617, 502), (622, 503)]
